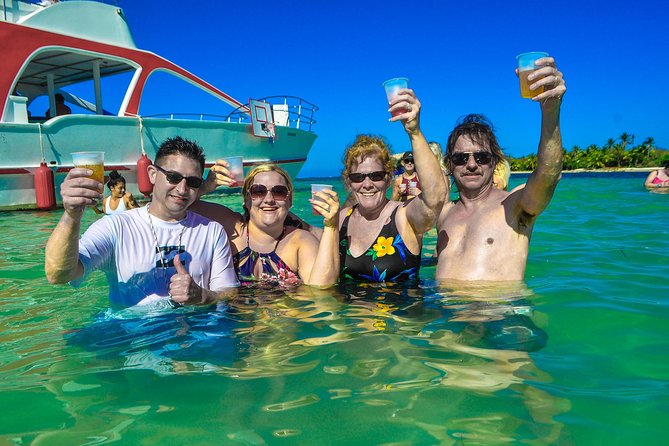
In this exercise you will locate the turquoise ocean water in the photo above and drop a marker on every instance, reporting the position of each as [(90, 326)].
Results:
[(579, 356)]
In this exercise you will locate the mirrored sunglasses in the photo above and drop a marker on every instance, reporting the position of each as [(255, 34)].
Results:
[(461, 158), (176, 178), (279, 192), (408, 160), (357, 177)]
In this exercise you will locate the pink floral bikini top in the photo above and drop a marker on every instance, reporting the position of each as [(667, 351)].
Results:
[(274, 270)]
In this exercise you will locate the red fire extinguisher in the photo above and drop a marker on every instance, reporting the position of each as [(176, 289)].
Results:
[(143, 182)]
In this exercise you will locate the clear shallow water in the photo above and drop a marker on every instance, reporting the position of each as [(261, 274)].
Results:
[(579, 356)]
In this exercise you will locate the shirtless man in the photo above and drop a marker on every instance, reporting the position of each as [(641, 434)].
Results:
[(485, 235)]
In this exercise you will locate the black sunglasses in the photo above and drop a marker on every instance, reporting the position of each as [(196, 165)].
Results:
[(357, 177), (175, 178), (408, 160), (279, 192), (461, 158)]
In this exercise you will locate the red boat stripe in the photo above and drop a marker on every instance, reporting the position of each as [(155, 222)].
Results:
[(107, 168), (13, 171)]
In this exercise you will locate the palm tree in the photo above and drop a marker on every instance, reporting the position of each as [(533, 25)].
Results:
[(611, 154), (625, 139), (572, 159), (594, 158), (531, 162), (649, 144), (617, 154)]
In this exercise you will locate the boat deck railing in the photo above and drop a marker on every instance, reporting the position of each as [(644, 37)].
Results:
[(188, 116), (289, 111), (298, 113)]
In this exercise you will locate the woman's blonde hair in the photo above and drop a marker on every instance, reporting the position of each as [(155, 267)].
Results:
[(366, 146), (501, 175), (439, 153), (248, 182)]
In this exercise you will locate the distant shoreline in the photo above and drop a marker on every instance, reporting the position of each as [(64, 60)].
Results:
[(526, 172), (604, 170)]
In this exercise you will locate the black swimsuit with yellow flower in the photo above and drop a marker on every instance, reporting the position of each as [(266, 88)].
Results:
[(387, 260)]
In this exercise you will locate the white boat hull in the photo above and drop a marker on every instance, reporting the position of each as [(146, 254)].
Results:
[(119, 138)]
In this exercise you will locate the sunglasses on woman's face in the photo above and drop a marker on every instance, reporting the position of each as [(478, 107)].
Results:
[(176, 178), (408, 160), (259, 191), (461, 158), (357, 177)]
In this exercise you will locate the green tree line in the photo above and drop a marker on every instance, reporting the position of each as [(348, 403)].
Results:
[(616, 153)]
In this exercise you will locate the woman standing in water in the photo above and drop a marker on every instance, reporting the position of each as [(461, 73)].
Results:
[(264, 248), (658, 180), (381, 239), (406, 185), (118, 200)]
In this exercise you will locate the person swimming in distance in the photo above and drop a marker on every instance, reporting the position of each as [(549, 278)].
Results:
[(658, 180)]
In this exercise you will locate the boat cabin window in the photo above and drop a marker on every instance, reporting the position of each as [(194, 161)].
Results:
[(80, 98), (167, 95), (71, 75)]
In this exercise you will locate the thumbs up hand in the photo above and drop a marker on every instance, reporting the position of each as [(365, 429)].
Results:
[(183, 288)]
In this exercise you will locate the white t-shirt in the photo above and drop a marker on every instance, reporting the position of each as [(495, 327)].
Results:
[(124, 247)]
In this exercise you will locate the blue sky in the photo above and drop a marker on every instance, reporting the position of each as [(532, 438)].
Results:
[(459, 56)]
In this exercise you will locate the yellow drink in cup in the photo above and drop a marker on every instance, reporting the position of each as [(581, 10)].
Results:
[(525, 91), (98, 172), (94, 161), (526, 65)]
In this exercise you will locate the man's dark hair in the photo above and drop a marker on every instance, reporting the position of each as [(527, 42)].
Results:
[(59, 98), (180, 146), (480, 130)]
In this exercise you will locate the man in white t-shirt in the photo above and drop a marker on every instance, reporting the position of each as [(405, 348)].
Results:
[(158, 252)]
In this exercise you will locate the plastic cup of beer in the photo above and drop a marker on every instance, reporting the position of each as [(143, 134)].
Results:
[(94, 161), (526, 65), (236, 168), (392, 86), (317, 188)]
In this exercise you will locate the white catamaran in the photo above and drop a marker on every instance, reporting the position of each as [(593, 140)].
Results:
[(51, 49)]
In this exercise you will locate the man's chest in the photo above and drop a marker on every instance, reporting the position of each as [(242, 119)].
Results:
[(486, 228)]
